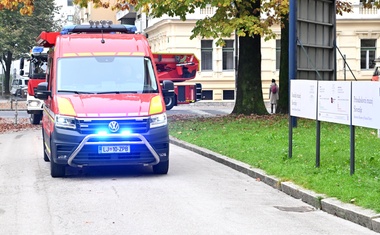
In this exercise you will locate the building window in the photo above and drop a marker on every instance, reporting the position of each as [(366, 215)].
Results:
[(70, 18), (228, 94), (70, 3), (367, 53), (206, 55), (207, 95), (228, 55), (278, 54)]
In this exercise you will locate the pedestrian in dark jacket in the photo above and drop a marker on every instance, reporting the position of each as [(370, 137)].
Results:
[(273, 95)]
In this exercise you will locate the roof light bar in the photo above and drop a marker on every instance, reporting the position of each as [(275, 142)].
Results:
[(103, 26)]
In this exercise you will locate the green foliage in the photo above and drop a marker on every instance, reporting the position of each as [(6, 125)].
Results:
[(262, 142), (240, 15), (19, 32), (23, 29)]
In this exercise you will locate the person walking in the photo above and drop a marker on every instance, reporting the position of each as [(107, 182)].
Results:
[(273, 95)]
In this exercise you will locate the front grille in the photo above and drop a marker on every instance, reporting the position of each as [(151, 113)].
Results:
[(133, 125)]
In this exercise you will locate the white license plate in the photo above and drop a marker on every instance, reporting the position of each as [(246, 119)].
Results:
[(113, 149)]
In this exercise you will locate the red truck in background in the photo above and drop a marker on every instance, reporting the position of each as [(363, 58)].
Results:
[(103, 102), (33, 66), (176, 67), (179, 67)]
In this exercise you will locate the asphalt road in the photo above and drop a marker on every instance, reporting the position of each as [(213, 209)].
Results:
[(198, 196)]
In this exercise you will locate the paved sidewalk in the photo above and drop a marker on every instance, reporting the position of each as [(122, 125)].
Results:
[(355, 214)]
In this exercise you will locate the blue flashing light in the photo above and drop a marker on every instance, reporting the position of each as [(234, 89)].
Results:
[(131, 28), (37, 49), (67, 29), (99, 27), (102, 132), (126, 132)]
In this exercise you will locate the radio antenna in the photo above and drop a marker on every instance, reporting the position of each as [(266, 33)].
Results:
[(102, 41)]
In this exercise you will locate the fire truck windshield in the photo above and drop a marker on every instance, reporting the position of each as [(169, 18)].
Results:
[(106, 75), (37, 69)]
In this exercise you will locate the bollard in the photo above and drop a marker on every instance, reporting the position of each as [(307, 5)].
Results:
[(16, 113)]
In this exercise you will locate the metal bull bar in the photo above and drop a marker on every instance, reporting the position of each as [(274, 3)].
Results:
[(96, 136)]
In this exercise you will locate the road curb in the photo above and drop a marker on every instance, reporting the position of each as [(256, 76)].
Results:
[(364, 217)]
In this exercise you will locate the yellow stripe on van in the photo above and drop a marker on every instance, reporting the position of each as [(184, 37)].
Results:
[(138, 53), (84, 53), (124, 53), (69, 54), (104, 53), (65, 107)]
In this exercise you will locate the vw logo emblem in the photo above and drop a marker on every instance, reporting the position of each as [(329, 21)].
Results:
[(113, 126)]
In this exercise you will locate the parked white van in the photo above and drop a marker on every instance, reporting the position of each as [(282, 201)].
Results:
[(18, 86)]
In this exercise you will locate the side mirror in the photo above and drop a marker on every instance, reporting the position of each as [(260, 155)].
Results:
[(42, 92)]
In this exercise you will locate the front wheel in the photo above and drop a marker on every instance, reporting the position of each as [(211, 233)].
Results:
[(35, 118), (169, 102), (161, 168)]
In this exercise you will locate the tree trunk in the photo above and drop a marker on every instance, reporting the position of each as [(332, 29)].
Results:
[(249, 95), (7, 58), (283, 102)]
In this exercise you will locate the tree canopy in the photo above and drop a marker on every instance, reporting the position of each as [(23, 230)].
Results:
[(19, 32)]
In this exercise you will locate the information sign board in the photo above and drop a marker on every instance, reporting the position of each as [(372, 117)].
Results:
[(334, 101), (303, 98), (366, 104)]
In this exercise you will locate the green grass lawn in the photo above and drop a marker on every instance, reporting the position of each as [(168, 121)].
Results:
[(262, 142)]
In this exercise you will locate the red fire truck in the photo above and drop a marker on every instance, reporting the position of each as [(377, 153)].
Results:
[(179, 67), (103, 103), (176, 67), (33, 66)]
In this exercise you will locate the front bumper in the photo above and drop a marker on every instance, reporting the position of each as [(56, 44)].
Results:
[(78, 150)]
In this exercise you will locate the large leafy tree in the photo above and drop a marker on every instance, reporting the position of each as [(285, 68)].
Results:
[(18, 32), (249, 19)]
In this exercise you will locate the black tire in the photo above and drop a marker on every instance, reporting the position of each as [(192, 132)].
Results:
[(57, 170), (161, 168), (35, 118), (169, 102)]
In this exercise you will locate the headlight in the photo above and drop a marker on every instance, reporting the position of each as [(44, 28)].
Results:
[(65, 122), (34, 103), (158, 120)]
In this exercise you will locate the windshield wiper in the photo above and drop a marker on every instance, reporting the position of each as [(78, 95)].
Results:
[(76, 92), (115, 92)]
